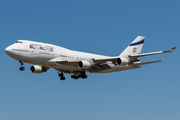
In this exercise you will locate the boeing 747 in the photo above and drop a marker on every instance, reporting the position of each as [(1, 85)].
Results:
[(45, 56)]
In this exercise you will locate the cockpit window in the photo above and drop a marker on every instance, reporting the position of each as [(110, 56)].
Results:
[(18, 42)]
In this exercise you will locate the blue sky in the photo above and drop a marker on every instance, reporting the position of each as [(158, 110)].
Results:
[(97, 26)]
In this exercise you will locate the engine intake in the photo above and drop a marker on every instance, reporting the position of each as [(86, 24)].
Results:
[(84, 64), (37, 69), (122, 61)]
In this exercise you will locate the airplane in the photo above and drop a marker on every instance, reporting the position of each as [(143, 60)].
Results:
[(45, 56)]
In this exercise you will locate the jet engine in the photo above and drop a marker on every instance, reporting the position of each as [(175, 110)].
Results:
[(84, 64), (37, 69), (121, 61)]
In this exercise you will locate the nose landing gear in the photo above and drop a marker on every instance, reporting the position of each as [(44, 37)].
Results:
[(21, 68)]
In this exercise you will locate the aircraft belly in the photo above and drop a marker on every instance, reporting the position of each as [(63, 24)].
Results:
[(61, 67)]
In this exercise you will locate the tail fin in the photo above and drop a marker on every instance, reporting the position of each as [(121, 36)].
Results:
[(134, 48)]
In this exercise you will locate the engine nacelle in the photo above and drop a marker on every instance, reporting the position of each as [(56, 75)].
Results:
[(37, 69), (84, 64), (121, 61)]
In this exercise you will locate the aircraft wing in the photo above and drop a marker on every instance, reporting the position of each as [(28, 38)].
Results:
[(143, 63), (99, 64), (152, 53), (114, 59), (95, 60)]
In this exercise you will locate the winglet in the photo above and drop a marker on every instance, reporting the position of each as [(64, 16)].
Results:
[(171, 50)]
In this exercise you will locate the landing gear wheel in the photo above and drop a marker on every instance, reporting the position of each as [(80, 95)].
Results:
[(84, 77), (74, 77), (62, 78), (22, 68), (61, 75)]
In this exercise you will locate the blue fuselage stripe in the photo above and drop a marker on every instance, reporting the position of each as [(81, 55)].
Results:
[(137, 43)]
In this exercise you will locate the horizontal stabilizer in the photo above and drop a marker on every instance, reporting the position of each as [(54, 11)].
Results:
[(143, 63)]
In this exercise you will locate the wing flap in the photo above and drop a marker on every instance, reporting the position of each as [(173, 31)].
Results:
[(98, 67)]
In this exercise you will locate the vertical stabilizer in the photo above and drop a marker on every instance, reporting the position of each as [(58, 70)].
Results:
[(134, 48)]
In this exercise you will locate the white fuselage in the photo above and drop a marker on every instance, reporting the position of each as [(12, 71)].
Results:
[(43, 54)]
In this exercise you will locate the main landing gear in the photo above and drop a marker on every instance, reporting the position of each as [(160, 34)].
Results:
[(61, 75), (21, 68), (75, 76), (82, 75)]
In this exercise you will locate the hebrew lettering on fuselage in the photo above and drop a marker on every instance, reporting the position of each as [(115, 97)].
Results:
[(39, 47)]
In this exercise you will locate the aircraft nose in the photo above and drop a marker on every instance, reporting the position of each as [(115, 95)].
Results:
[(8, 50), (11, 51)]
